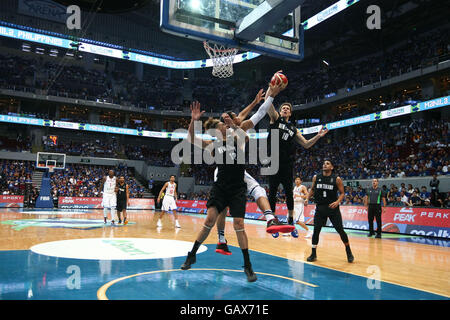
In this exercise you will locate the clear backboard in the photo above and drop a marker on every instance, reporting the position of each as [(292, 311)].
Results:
[(46, 160), (269, 27)]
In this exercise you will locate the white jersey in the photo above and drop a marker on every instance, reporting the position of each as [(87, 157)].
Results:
[(298, 192), (170, 190), (110, 185)]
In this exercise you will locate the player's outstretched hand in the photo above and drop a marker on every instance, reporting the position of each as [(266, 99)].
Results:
[(274, 90), (323, 131), (196, 113), (260, 96)]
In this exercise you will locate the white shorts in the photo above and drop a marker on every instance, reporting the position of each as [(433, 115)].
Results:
[(253, 187), (168, 204), (299, 208), (109, 200)]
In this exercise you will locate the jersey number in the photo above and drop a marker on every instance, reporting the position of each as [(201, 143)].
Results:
[(324, 194), (285, 136)]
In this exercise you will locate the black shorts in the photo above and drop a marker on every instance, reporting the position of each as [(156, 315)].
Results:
[(323, 212), (234, 197), (121, 205)]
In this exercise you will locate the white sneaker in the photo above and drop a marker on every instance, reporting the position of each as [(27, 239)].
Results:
[(309, 234), (177, 224), (158, 224)]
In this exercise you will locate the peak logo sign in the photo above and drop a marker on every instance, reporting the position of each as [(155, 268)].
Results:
[(404, 217)]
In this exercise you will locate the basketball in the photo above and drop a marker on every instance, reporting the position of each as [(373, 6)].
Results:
[(279, 78)]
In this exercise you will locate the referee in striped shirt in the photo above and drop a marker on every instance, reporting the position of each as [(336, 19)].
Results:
[(372, 201)]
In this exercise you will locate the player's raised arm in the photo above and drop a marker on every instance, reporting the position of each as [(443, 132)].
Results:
[(237, 132), (300, 139), (244, 113), (271, 93), (196, 114), (272, 112)]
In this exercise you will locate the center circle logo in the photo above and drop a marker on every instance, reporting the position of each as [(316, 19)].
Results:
[(115, 248)]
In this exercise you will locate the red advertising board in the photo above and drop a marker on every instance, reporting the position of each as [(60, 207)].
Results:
[(7, 201), (96, 203), (407, 220)]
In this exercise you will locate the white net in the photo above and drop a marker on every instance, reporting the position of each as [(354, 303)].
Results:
[(222, 58)]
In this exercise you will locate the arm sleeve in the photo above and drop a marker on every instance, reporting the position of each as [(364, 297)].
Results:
[(262, 110)]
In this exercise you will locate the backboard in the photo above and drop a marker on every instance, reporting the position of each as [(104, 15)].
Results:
[(46, 160), (269, 27)]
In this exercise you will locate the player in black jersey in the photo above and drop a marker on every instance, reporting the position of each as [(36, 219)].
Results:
[(229, 190), (325, 187), (289, 135), (123, 196), (253, 187)]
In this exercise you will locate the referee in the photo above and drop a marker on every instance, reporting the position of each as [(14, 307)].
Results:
[(373, 203)]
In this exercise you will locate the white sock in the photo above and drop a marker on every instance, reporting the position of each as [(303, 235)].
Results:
[(105, 212), (113, 213), (268, 214)]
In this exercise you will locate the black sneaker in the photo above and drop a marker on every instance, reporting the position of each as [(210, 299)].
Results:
[(378, 236), (120, 221), (312, 258), (222, 248), (371, 234), (112, 222), (104, 219), (190, 259), (350, 257), (251, 276)]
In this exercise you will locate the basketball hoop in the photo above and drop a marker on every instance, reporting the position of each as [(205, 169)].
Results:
[(222, 58)]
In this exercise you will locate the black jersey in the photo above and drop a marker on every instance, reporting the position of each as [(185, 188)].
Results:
[(230, 172), (122, 192), (287, 132), (325, 191)]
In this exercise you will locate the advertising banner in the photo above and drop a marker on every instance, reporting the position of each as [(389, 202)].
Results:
[(96, 203), (7, 201), (433, 222)]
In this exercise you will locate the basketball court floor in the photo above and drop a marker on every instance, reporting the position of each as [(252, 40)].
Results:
[(72, 255)]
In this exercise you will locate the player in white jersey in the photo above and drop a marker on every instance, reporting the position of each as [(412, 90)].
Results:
[(169, 201), (300, 195), (109, 201)]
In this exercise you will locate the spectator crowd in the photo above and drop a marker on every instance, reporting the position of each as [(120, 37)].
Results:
[(161, 92)]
